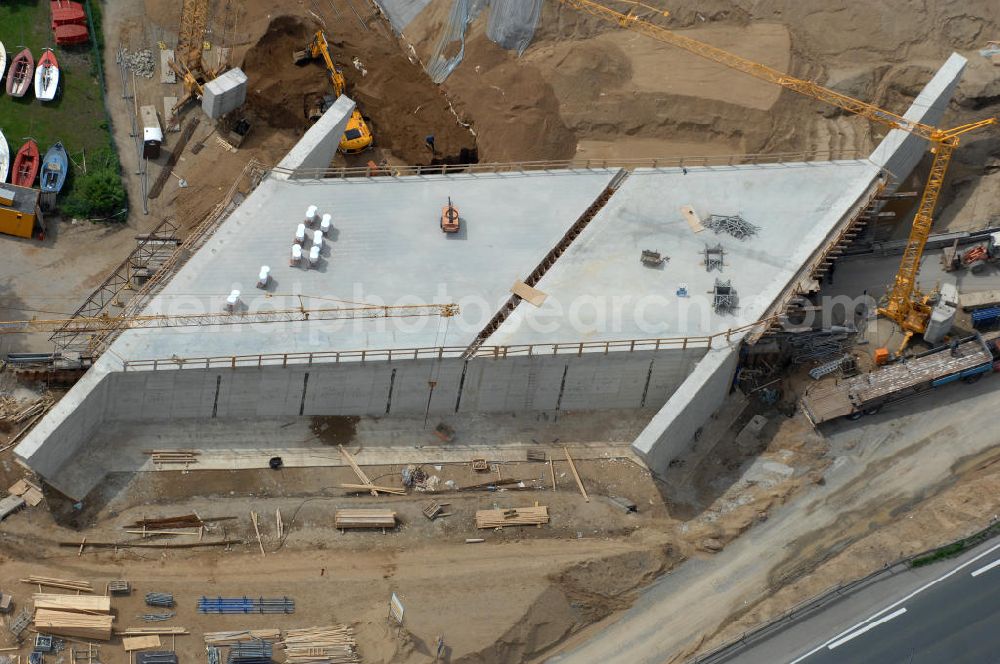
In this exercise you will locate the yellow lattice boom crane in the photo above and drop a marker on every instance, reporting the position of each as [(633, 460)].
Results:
[(905, 304), (187, 62), (101, 324)]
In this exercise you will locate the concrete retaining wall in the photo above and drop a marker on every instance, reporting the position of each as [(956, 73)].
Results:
[(671, 431), (317, 148), (409, 387), (900, 151)]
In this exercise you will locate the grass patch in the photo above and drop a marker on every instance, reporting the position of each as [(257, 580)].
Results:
[(957, 547), (76, 117)]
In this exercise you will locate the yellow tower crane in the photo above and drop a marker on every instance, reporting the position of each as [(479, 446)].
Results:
[(187, 62), (905, 305)]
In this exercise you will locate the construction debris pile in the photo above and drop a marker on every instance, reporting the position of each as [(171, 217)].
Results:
[(141, 63), (15, 411), (735, 225)]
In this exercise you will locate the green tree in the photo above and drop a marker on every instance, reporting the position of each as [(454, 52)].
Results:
[(97, 193)]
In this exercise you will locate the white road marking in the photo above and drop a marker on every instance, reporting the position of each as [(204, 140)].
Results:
[(983, 570), (895, 604), (866, 628)]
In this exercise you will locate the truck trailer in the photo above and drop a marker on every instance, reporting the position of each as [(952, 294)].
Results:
[(967, 359)]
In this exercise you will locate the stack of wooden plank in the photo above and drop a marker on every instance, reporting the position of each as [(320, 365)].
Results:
[(71, 623), (229, 638), (365, 518), (75, 603), (320, 645), (185, 457), (518, 516), (66, 584)]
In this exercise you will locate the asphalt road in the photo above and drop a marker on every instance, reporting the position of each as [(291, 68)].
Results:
[(947, 612)]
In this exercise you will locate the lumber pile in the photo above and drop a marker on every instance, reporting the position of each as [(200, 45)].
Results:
[(130, 643), (145, 631), (230, 638), (75, 603), (66, 584), (320, 645), (69, 623), (517, 516), (14, 411), (364, 518)]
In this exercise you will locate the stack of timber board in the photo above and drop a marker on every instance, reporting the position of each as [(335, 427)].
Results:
[(320, 645), (519, 516), (74, 603), (364, 518), (69, 623)]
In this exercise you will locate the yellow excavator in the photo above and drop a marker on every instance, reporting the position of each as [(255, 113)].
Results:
[(358, 136)]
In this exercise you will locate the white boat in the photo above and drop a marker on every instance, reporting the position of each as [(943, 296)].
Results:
[(46, 76), (3, 60), (4, 158)]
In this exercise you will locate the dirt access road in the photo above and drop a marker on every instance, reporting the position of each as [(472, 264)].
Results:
[(900, 482)]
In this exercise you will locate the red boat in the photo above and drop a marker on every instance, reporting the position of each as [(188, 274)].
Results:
[(20, 76), (66, 11), (26, 165), (69, 22), (67, 35)]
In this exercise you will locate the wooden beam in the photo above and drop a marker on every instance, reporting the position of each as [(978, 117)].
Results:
[(260, 543), (357, 469), (576, 475)]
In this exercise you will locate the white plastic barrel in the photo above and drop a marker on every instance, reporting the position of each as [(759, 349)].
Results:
[(314, 255), (296, 254), (325, 224), (232, 300), (300, 234), (311, 213), (318, 240), (263, 276)]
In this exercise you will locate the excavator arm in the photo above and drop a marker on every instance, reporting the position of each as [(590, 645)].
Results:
[(358, 136)]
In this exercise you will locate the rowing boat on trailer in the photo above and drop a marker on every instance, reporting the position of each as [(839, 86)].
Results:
[(19, 76), (25, 165), (54, 167), (4, 158), (47, 76)]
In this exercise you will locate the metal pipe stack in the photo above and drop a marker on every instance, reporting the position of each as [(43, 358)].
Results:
[(160, 599), (250, 652), (246, 605)]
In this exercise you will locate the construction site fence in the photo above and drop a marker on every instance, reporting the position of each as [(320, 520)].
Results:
[(443, 352), (573, 164), (812, 605)]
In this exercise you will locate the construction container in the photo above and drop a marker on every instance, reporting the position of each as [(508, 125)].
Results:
[(152, 133)]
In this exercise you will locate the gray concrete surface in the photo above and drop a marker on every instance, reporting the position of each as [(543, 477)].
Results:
[(951, 616), (386, 247), (224, 94), (599, 290)]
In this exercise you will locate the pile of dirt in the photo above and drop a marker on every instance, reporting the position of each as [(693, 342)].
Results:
[(397, 98), (278, 91)]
